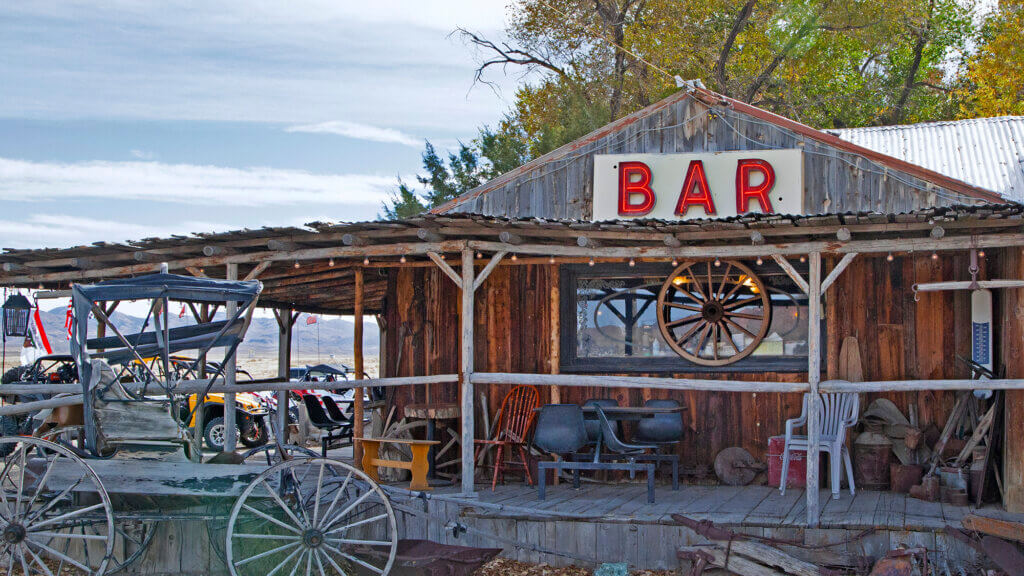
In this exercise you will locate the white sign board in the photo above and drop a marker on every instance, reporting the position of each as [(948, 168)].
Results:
[(691, 186)]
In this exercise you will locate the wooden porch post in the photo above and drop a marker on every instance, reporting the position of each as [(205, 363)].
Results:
[(285, 319), (230, 412), (813, 378), (1013, 400), (357, 352), (466, 365)]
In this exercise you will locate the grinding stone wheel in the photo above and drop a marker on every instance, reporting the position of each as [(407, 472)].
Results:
[(736, 467)]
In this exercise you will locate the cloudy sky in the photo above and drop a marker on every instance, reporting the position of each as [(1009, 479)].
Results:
[(123, 119)]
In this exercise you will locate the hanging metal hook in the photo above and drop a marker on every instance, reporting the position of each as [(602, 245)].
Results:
[(973, 268)]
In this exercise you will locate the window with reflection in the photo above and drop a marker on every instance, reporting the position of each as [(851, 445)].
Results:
[(716, 317)]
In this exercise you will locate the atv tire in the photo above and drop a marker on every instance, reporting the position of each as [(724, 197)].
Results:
[(14, 374)]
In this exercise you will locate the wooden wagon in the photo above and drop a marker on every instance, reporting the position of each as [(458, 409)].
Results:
[(87, 498)]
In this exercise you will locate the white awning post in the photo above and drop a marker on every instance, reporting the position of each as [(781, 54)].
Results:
[(468, 291), (230, 415)]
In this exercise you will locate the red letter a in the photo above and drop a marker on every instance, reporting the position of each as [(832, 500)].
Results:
[(640, 187), (696, 191), (744, 191)]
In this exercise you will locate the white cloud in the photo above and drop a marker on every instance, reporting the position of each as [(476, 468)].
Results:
[(359, 132), (187, 184), (142, 154), (63, 230)]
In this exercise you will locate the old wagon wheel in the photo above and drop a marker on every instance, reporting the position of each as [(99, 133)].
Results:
[(53, 508), (313, 516), (713, 313)]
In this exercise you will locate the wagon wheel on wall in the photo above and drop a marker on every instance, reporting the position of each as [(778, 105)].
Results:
[(447, 456), (55, 514), (312, 516), (713, 313)]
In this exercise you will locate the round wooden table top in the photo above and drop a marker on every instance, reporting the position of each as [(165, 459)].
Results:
[(433, 411)]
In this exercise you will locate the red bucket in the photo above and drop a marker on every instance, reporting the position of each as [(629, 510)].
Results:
[(797, 464)]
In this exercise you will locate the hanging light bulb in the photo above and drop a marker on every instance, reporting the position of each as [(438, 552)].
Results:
[(981, 253), (718, 262), (402, 259), (888, 257), (442, 256), (479, 255), (366, 261), (803, 259), (935, 255), (675, 262), (632, 262), (759, 261), (591, 262), (514, 257), (297, 264), (331, 262), (551, 260)]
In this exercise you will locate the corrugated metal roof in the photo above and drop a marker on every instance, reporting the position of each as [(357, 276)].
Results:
[(984, 152)]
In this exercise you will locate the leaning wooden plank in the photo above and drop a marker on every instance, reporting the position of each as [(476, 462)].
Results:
[(155, 478), (774, 557), (731, 562), (994, 527)]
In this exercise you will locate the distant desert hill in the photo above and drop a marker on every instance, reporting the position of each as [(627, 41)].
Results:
[(335, 334)]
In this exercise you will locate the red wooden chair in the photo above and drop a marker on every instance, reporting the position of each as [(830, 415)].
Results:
[(514, 419)]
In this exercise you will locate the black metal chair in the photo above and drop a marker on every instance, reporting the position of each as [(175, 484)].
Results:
[(660, 429), (561, 430), (592, 426), (334, 411), (632, 453), (319, 418)]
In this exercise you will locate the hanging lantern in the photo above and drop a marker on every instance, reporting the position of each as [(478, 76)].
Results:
[(17, 311)]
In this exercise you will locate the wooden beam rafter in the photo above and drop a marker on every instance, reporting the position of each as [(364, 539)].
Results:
[(834, 274), (791, 272), (448, 270)]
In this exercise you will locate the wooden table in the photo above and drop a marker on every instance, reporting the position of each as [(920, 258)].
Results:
[(432, 412), (418, 465)]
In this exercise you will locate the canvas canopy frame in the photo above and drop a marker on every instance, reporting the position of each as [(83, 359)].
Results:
[(138, 350)]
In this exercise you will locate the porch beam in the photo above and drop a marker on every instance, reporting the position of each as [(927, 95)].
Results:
[(813, 380), (448, 270), (834, 274), (791, 272), (259, 269), (495, 260), (466, 363), (636, 382)]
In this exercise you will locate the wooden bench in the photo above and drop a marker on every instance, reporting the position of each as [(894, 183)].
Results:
[(418, 466)]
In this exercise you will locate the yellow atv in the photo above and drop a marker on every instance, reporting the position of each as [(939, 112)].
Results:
[(250, 410)]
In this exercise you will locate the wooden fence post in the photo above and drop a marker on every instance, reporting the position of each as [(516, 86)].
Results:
[(285, 319), (813, 378)]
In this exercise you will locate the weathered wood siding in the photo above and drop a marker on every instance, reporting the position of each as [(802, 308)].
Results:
[(560, 184), (873, 300)]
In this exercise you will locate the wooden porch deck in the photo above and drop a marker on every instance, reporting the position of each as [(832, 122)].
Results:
[(614, 522)]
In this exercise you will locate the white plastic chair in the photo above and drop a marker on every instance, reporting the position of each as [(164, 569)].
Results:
[(837, 412)]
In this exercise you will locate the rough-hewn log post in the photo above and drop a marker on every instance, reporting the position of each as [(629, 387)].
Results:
[(284, 364), (357, 352), (1013, 360), (466, 369), (230, 413), (813, 378)]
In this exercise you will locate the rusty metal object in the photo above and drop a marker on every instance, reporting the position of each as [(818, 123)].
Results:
[(700, 560), (736, 467), (902, 562), (426, 558), (902, 477), (872, 454), (1006, 555)]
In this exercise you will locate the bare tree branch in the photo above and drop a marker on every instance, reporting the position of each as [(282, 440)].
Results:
[(504, 55), (737, 26)]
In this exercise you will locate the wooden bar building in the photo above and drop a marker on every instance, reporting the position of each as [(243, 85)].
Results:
[(550, 275)]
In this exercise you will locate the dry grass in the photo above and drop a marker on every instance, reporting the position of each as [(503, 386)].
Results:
[(506, 567)]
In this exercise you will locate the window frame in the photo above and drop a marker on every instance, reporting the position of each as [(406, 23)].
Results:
[(569, 362)]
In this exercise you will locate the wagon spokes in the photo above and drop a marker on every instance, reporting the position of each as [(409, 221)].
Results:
[(54, 511), (313, 516)]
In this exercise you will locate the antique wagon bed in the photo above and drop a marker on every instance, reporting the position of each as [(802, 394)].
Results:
[(87, 499)]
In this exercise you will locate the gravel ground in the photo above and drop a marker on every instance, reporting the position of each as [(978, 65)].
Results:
[(506, 567)]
